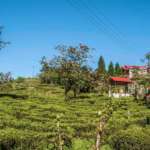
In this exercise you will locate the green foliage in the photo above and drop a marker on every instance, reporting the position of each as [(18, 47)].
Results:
[(111, 69), (6, 87), (147, 56), (31, 122), (49, 73), (129, 117), (101, 77), (106, 147), (118, 70), (101, 66), (20, 79), (80, 144), (71, 61), (134, 138), (68, 68)]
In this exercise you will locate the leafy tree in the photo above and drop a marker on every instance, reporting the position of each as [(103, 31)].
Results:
[(88, 82), (70, 66), (2, 43), (45, 71), (70, 62), (5, 82), (49, 73), (102, 76), (101, 66), (111, 69), (118, 70), (45, 65), (5, 77)]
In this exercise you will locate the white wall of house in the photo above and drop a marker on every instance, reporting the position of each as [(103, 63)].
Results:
[(118, 95), (141, 72)]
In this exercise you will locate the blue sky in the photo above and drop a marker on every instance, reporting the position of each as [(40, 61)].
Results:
[(117, 29)]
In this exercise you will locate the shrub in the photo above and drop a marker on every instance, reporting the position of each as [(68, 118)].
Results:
[(134, 138), (80, 144), (106, 147), (20, 79)]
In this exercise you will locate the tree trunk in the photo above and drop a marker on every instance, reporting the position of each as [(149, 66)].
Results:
[(66, 92), (99, 133), (98, 141), (75, 92), (60, 142)]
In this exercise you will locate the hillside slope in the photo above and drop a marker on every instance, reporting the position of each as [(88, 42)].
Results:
[(38, 114)]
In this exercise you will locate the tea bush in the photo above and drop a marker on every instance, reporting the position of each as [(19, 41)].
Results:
[(134, 138)]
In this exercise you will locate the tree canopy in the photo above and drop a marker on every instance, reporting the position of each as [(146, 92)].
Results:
[(71, 67), (101, 66), (111, 69), (118, 70)]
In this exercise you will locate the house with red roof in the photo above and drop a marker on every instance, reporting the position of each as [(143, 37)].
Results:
[(125, 85), (119, 87), (132, 71)]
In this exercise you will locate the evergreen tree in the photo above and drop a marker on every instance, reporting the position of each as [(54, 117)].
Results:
[(111, 69), (101, 66), (117, 69), (147, 56)]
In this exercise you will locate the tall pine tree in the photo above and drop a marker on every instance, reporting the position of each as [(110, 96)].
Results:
[(111, 69), (101, 66), (118, 70)]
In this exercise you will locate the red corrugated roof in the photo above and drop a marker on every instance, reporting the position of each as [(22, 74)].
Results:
[(121, 79)]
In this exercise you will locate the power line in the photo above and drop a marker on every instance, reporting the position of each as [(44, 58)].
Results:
[(105, 19), (113, 27), (77, 7), (91, 19), (97, 21)]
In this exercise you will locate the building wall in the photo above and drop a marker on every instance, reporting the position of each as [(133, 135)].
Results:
[(134, 72), (118, 90)]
